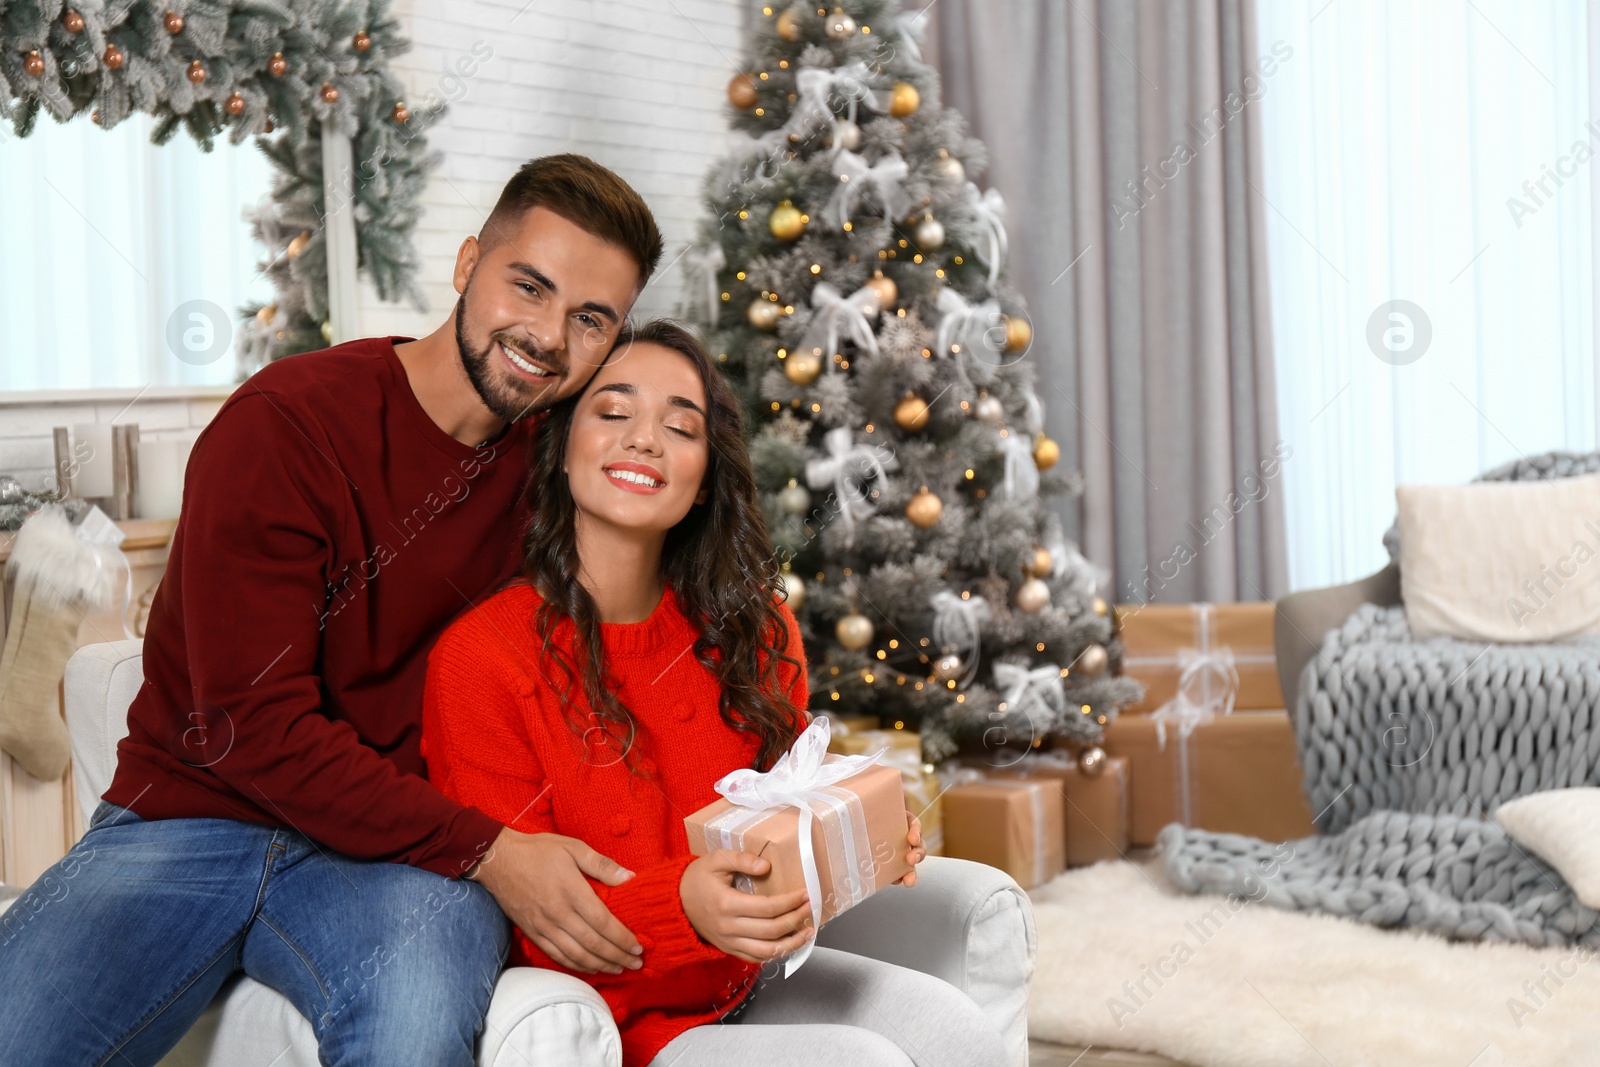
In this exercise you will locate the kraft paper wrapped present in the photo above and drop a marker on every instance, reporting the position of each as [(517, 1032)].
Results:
[(1014, 824), (834, 825), (857, 742), (1156, 636), (843, 724), (902, 749), (1096, 816)]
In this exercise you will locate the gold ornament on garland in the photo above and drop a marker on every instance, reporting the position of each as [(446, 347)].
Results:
[(888, 292), (1092, 761), (1092, 661), (34, 64), (401, 113), (1032, 596), (330, 95), (1100, 605), (904, 99), (298, 243), (840, 26), (787, 222), (788, 26), (1019, 334), (267, 313), (742, 92), (794, 498), (929, 233), (73, 22), (173, 22), (1046, 453), (950, 167), (803, 368), (911, 414), (361, 41), (1042, 563), (764, 314), (277, 65), (924, 509), (197, 72), (854, 631), (234, 105), (112, 57)]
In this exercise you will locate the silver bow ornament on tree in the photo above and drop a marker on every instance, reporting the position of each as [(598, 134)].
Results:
[(846, 468), (1207, 685), (804, 777), (702, 266), (886, 179), (990, 210), (973, 326), (1036, 692), (958, 628), (1021, 481), (833, 313), (816, 87)]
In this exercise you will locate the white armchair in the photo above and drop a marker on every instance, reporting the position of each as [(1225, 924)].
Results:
[(966, 923)]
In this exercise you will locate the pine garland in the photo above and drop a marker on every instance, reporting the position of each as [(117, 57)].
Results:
[(272, 70)]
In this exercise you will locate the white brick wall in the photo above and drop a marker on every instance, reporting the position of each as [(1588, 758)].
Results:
[(637, 84)]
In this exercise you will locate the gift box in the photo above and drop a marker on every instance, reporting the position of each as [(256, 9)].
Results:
[(902, 749), (1155, 638), (1243, 775), (1017, 825), (1095, 821), (850, 724), (855, 843), (858, 742)]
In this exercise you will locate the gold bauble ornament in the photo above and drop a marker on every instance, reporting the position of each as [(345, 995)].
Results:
[(330, 95), (327, 332), (1042, 563), (854, 631), (297, 244), (234, 105), (1046, 453), (267, 314), (268, 128), (361, 41), (911, 414), (173, 22), (401, 113), (1092, 761), (888, 292), (904, 99), (1019, 333), (802, 368), (788, 26), (1032, 596), (94, 116), (764, 314), (1092, 661), (1100, 605), (112, 57), (277, 65), (742, 92), (952, 168), (929, 234), (794, 498), (948, 668), (924, 508), (794, 590), (787, 222), (34, 64), (196, 72), (840, 26), (73, 22)]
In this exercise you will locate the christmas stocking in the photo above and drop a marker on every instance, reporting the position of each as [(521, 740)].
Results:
[(57, 577)]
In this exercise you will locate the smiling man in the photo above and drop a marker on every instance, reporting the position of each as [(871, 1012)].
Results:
[(269, 811)]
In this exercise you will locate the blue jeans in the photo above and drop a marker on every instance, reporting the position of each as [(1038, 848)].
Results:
[(115, 951)]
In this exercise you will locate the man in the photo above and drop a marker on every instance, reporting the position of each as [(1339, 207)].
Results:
[(269, 812)]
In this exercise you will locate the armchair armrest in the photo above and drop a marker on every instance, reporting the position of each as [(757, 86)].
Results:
[(539, 1016), (964, 922), (1303, 619)]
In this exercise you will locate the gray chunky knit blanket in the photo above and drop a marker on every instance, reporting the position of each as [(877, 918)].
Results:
[(1407, 747)]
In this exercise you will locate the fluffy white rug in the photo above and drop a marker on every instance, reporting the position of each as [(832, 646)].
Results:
[(1127, 962)]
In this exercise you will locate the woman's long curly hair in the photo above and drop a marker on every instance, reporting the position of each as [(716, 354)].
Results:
[(718, 559)]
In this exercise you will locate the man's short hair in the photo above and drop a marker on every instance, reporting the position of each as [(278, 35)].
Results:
[(586, 195)]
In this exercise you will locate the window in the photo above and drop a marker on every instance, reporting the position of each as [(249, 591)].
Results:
[(112, 243)]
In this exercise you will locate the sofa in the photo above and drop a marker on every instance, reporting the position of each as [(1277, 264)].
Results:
[(964, 922)]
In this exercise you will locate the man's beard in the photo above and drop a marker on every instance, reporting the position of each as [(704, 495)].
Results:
[(509, 401)]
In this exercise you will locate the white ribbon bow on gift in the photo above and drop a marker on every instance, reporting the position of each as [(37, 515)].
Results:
[(960, 321), (1207, 683), (886, 178), (957, 627), (831, 311), (1028, 690), (844, 468), (703, 265), (990, 209), (816, 86), (799, 779)]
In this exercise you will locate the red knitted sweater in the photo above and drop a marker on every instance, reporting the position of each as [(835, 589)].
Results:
[(495, 738)]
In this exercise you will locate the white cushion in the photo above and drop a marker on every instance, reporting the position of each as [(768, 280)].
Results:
[(1558, 826), (1506, 562)]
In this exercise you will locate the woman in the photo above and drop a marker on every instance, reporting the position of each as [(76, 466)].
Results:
[(640, 656)]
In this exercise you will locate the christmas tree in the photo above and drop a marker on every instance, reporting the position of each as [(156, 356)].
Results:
[(852, 282)]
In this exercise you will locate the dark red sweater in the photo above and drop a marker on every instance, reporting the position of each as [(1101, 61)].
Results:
[(495, 737), (330, 531)]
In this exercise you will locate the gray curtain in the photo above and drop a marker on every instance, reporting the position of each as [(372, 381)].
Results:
[(1132, 181)]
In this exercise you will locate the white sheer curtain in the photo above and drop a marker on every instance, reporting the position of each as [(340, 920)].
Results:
[(106, 237), (1436, 152)]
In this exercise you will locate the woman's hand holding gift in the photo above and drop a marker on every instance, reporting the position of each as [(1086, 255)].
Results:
[(749, 927), (915, 853)]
